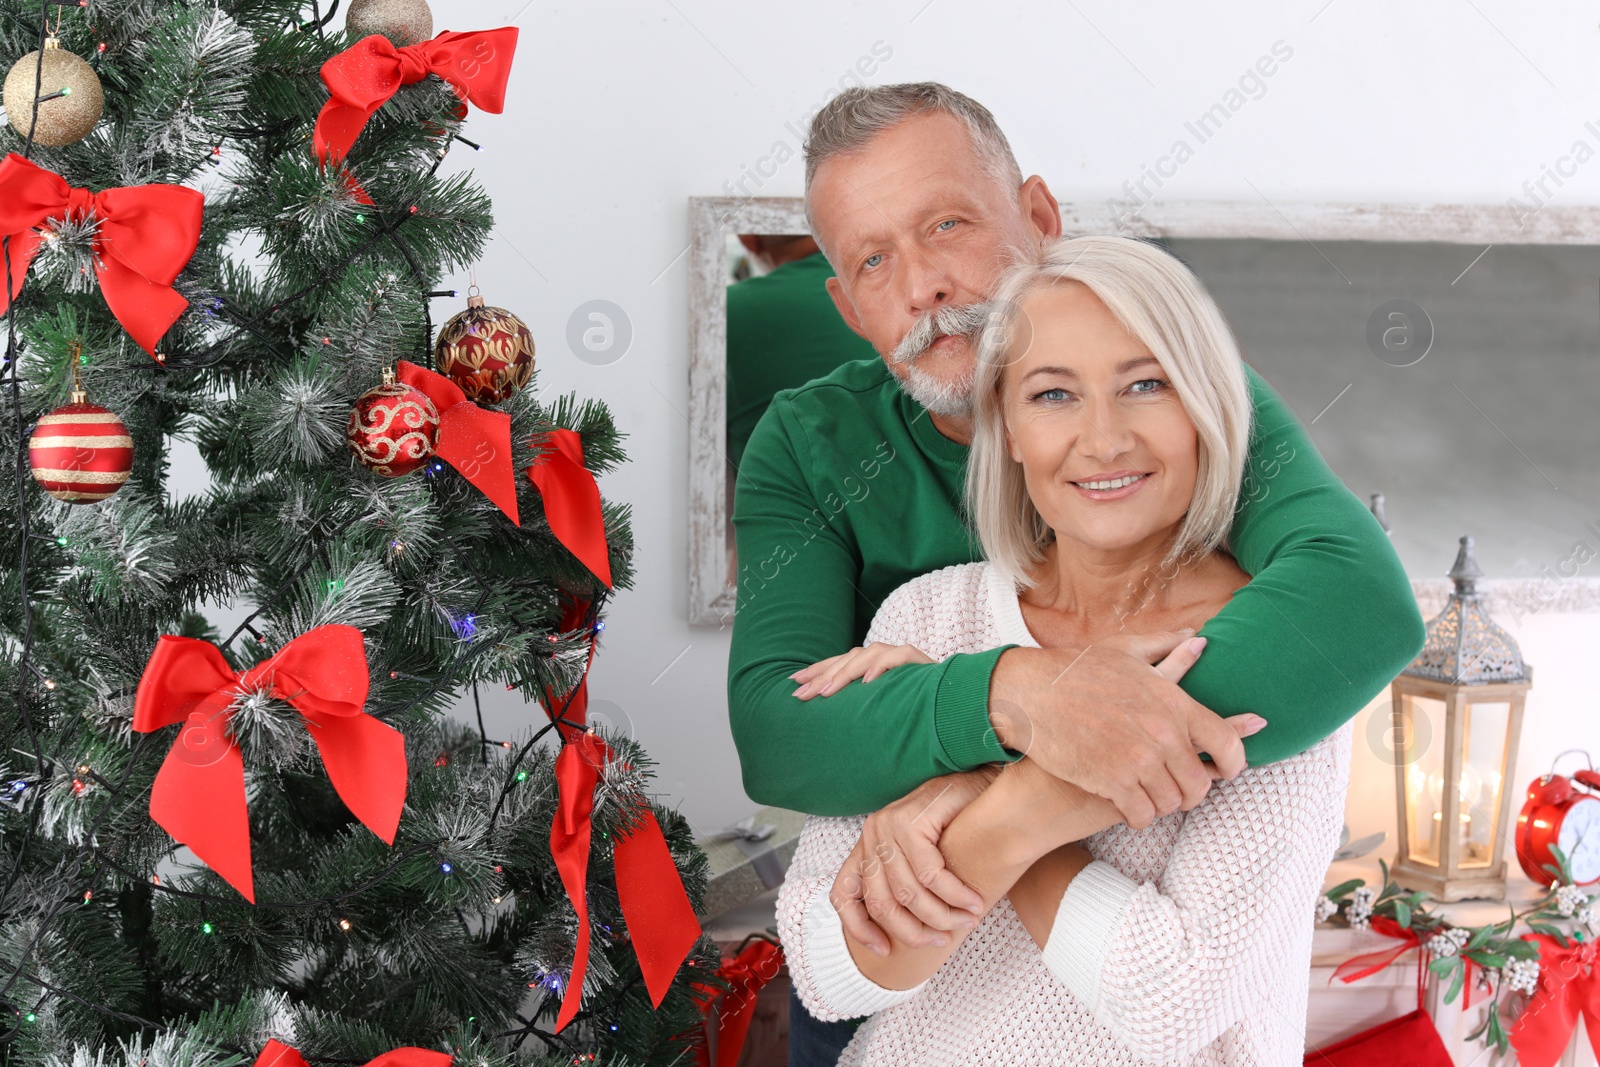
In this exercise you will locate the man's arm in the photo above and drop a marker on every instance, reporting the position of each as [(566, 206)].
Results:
[(1328, 618), (867, 745)]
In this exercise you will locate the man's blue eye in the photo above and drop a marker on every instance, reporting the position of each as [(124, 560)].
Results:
[(946, 224), (872, 261)]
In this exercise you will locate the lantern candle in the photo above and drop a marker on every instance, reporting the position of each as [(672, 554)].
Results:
[(1469, 668)]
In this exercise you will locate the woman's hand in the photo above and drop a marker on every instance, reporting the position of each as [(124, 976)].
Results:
[(866, 663), (896, 882)]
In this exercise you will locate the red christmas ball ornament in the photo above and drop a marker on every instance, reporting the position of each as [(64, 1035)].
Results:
[(80, 453), (392, 428), (487, 351)]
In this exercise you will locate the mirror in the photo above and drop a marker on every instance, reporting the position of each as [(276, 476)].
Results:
[(718, 258), (1460, 385), (782, 331), (1445, 356)]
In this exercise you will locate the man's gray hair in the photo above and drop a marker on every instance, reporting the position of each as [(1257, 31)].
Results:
[(853, 118)]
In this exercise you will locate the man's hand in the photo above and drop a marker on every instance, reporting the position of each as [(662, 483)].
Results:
[(1111, 719), (896, 882)]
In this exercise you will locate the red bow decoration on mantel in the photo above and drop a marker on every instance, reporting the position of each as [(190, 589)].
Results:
[(661, 921), (473, 440), (572, 502), (364, 77), (277, 1054), (199, 795), (1569, 986), (147, 235), (1358, 967)]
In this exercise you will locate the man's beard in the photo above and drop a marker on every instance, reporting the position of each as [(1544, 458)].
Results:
[(952, 399)]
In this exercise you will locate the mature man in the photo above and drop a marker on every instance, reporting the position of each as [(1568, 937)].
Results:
[(851, 484)]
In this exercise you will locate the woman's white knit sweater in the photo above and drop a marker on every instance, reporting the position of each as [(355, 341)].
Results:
[(1187, 942)]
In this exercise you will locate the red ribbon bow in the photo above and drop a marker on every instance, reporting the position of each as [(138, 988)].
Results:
[(363, 78), (473, 440), (661, 921), (1357, 967), (755, 965), (146, 236), (199, 796), (277, 1054), (572, 502), (1569, 986)]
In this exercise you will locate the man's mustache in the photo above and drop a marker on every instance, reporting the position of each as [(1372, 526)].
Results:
[(964, 320)]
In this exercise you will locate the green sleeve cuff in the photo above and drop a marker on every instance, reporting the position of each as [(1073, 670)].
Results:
[(961, 711)]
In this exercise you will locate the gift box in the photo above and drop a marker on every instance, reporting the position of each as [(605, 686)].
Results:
[(749, 858)]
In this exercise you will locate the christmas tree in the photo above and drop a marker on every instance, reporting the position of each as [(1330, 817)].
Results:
[(282, 833)]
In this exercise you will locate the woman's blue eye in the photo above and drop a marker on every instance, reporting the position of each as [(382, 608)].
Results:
[(1158, 383), (1045, 394)]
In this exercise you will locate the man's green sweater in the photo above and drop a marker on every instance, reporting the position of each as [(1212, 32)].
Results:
[(847, 490)]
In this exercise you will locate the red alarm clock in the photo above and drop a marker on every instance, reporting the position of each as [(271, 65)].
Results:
[(1559, 812)]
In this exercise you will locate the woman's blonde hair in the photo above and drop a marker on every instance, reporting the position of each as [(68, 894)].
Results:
[(1160, 303)]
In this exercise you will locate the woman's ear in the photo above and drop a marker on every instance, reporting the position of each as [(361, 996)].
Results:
[(1011, 447)]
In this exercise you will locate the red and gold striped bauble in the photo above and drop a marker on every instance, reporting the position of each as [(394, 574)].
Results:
[(80, 453)]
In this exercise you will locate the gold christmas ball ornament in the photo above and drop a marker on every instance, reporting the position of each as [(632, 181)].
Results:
[(404, 22), (70, 97), (487, 351)]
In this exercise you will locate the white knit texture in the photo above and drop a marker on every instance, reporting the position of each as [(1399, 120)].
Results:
[(1086, 920), (1209, 958)]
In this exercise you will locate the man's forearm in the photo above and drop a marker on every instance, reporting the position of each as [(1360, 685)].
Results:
[(1025, 815), (864, 746), (1019, 676)]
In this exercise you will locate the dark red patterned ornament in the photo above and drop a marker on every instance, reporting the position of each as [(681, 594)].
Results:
[(392, 428), (486, 351)]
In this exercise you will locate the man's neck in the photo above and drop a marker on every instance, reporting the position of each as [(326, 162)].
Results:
[(955, 427)]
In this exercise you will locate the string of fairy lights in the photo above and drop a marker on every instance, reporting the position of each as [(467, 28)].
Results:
[(112, 791)]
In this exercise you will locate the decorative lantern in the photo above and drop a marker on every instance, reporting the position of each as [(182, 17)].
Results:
[(1458, 714)]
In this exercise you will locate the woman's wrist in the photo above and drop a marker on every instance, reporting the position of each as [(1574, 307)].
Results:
[(1025, 814), (1007, 816), (1050, 811)]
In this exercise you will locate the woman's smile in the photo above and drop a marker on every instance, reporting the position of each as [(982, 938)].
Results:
[(1115, 486)]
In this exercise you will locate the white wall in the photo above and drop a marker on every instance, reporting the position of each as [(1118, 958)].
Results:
[(620, 111)]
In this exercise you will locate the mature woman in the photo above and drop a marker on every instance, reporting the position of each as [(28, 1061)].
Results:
[(1112, 416)]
